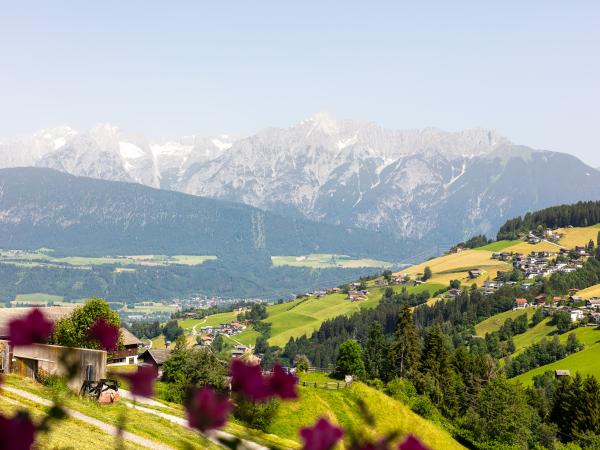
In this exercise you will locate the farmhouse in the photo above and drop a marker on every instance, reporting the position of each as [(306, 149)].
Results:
[(593, 303), (155, 357), (239, 350), (129, 354), (27, 361), (521, 303)]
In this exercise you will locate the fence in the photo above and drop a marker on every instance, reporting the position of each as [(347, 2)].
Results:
[(320, 369), (333, 385)]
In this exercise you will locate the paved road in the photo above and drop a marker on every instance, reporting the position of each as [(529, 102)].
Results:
[(107, 428)]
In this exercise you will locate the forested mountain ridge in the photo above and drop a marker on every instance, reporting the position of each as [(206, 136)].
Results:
[(84, 216), (78, 216)]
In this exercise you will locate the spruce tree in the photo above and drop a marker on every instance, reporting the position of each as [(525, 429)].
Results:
[(375, 351), (406, 349)]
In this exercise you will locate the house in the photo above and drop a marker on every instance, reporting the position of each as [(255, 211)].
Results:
[(576, 315), (129, 354), (454, 292), (155, 357), (239, 350), (575, 299), (562, 373), (593, 302), (474, 273), (521, 303), (540, 300), (28, 360)]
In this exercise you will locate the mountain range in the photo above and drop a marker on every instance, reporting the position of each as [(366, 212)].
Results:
[(446, 186)]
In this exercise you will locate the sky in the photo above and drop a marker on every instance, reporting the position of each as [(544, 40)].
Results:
[(529, 69)]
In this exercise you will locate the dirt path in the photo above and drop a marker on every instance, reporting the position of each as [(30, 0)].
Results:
[(105, 427), (214, 436)]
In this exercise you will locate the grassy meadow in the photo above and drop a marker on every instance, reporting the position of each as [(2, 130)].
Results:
[(328, 261)]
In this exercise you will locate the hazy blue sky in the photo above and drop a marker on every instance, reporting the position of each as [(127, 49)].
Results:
[(529, 69)]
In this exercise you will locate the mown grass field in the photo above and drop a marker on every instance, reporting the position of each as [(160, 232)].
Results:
[(46, 259), (138, 422), (586, 361), (526, 248), (65, 432), (341, 407), (498, 246), (494, 323), (578, 235), (455, 266), (592, 291), (327, 261)]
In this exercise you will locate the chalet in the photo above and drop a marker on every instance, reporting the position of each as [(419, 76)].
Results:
[(206, 341), (155, 357), (562, 373), (334, 290), (454, 292), (540, 300), (381, 282), (129, 354), (239, 350), (521, 303), (575, 299), (533, 239), (593, 303), (556, 300), (356, 296)]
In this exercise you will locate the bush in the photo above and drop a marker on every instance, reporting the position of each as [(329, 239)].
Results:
[(256, 415), (302, 363), (51, 380), (376, 383), (402, 390), (424, 407)]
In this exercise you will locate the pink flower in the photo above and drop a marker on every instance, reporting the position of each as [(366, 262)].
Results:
[(106, 334), (141, 382), (323, 436), (17, 432), (411, 443), (207, 410), (282, 384), (248, 380), (31, 329)]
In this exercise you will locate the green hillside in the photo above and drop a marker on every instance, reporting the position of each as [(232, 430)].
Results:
[(303, 316), (586, 361), (341, 407), (494, 323)]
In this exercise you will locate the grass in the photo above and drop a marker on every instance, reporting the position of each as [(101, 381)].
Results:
[(592, 291), (586, 362), (299, 317), (498, 246), (578, 235), (341, 407), (41, 258), (456, 265), (494, 323), (534, 334), (526, 248), (327, 261), (63, 433), (137, 422)]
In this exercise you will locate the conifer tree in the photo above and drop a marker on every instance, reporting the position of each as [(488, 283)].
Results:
[(375, 350), (406, 348)]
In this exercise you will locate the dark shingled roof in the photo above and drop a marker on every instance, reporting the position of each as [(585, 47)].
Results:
[(158, 355), (129, 338)]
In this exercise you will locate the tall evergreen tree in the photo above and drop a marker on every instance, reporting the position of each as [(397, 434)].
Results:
[(375, 351), (406, 349)]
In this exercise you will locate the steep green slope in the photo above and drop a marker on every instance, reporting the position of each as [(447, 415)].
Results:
[(341, 407)]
